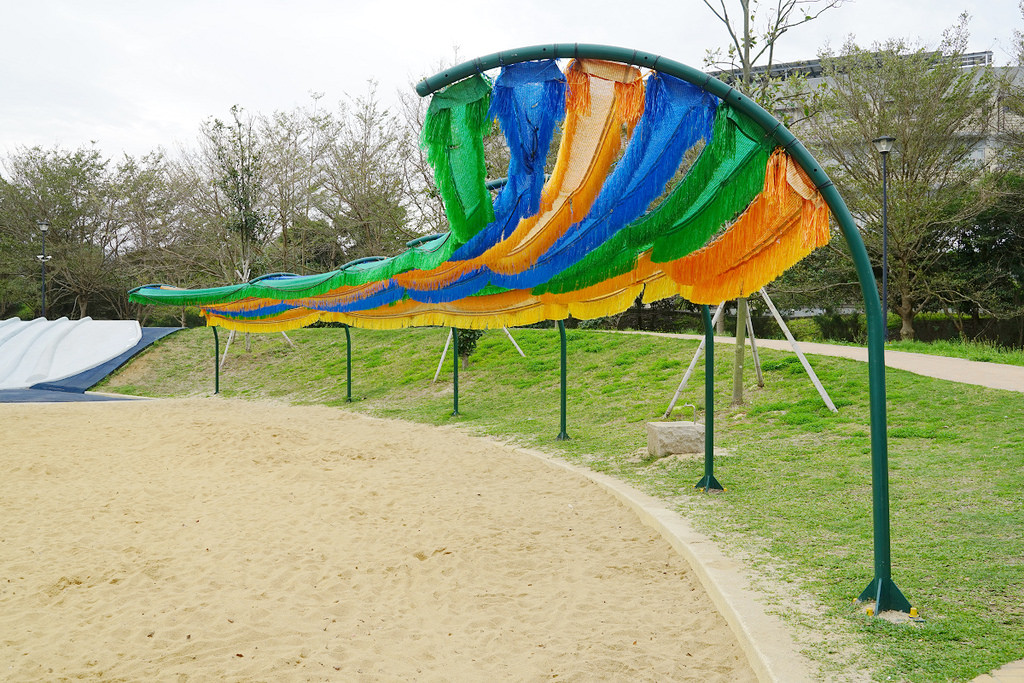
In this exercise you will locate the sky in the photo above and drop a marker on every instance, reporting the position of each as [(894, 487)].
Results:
[(131, 76)]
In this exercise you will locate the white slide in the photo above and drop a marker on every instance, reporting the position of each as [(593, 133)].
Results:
[(34, 351)]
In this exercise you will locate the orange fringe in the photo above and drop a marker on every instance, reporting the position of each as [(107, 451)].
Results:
[(577, 89), (290, 320), (784, 223)]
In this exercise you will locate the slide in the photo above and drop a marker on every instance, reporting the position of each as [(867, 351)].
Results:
[(40, 359)]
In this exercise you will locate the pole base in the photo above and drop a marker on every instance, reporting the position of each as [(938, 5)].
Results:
[(709, 483), (562, 436), (886, 596)]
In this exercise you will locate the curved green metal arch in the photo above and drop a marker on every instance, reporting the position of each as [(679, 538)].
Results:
[(881, 589)]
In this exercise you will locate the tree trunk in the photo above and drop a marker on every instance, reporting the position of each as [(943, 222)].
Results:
[(1020, 320), (720, 325), (906, 311), (741, 342)]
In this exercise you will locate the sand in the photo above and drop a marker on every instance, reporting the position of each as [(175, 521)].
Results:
[(210, 539)]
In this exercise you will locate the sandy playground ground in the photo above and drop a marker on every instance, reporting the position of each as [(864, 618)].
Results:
[(210, 539)]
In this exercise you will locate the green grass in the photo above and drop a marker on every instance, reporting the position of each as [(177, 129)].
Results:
[(986, 352), (797, 510)]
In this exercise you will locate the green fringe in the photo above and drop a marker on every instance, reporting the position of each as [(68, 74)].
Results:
[(453, 133)]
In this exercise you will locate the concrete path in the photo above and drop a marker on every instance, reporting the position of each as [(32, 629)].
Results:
[(994, 375), (1009, 673)]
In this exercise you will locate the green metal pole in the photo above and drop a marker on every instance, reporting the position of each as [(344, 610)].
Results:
[(216, 361), (709, 483), (563, 435), (348, 364), (455, 370), (882, 587)]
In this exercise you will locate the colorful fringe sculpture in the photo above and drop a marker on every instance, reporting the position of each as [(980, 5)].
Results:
[(658, 189)]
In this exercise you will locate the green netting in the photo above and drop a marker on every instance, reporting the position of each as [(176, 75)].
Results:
[(453, 133)]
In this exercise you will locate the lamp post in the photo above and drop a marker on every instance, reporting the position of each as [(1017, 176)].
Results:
[(884, 146), (43, 258)]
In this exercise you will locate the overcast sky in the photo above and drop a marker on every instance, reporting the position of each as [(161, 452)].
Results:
[(134, 75)]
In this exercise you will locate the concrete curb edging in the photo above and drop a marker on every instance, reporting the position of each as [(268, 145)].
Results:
[(764, 638)]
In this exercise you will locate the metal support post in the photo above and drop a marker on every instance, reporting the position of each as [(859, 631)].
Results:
[(709, 483), (348, 365), (216, 361), (563, 435), (693, 364), (455, 371)]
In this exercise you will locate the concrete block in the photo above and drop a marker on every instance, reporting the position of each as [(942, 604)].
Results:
[(667, 438)]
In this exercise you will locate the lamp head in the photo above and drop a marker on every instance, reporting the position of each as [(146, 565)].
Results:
[(884, 144), (43, 225)]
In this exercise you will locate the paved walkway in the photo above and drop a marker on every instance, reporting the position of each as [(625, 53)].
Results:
[(1008, 673), (994, 375)]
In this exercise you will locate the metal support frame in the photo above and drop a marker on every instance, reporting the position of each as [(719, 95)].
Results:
[(455, 372), (562, 434), (708, 482), (512, 339), (216, 361), (348, 365), (885, 242), (693, 364), (444, 354), (881, 587), (43, 258), (753, 350), (799, 353), (742, 310)]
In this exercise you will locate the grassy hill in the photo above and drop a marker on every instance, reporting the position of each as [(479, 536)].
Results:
[(798, 506)]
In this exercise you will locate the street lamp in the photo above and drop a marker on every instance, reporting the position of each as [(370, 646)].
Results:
[(884, 146), (43, 258)]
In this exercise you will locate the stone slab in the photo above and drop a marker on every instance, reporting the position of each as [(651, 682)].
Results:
[(669, 438)]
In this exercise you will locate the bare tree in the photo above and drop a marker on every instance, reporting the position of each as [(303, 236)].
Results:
[(753, 34), (364, 189)]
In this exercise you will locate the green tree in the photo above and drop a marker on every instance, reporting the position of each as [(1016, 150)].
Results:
[(987, 260), (73, 191), (938, 112)]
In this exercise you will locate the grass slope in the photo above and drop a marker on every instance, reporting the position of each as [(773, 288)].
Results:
[(798, 505)]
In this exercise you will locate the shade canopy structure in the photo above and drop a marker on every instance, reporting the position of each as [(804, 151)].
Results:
[(666, 182), (659, 188)]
